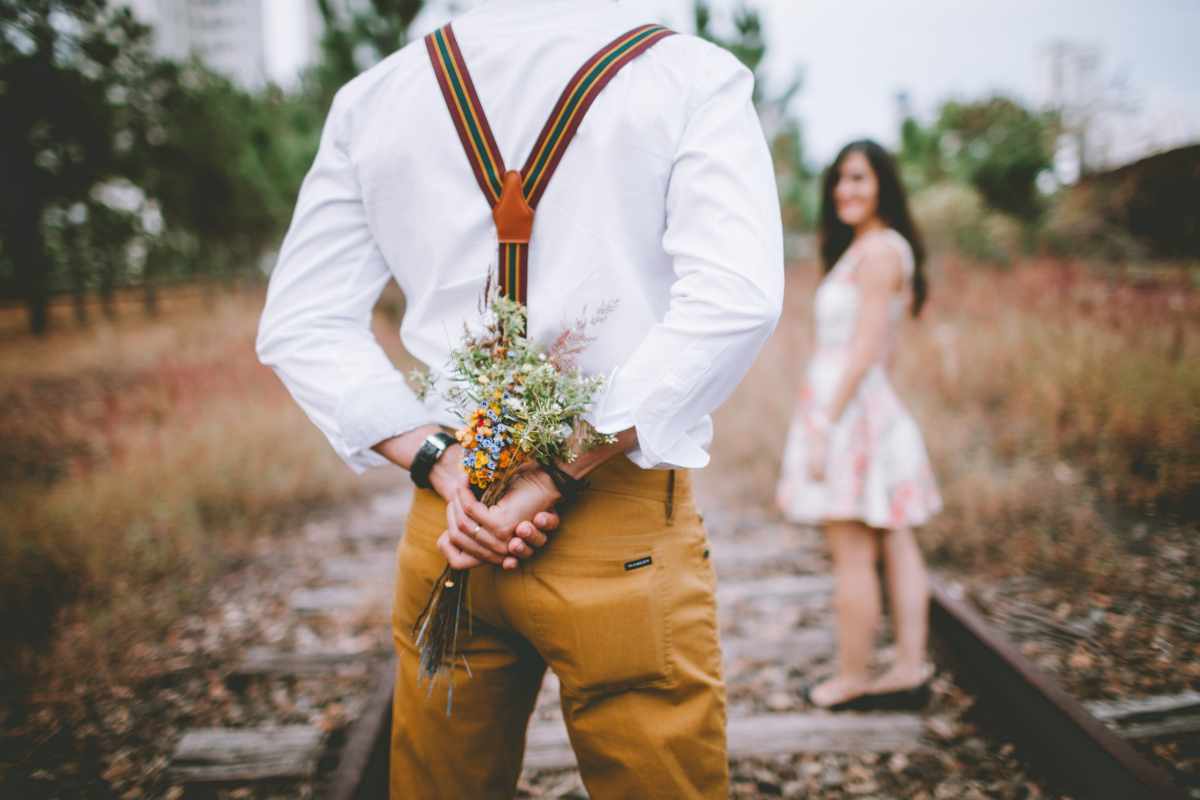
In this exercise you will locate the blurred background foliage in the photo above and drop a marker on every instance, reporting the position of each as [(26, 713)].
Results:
[(127, 171), (134, 171)]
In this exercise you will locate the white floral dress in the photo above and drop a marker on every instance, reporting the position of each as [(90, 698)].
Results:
[(878, 470)]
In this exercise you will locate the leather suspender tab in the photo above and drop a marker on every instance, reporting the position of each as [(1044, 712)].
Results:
[(513, 216)]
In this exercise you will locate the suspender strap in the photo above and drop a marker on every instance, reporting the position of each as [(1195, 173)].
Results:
[(575, 101), (467, 112), (514, 195)]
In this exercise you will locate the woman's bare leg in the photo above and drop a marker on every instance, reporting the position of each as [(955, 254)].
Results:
[(854, 548), (908, 591)]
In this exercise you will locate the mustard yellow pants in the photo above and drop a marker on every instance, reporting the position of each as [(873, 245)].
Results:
[(620, 604)]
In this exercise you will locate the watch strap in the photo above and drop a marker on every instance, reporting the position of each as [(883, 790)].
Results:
[(570, 488), (429, 453)]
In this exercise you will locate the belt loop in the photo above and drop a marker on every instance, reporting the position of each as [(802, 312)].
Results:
[(670, 495)]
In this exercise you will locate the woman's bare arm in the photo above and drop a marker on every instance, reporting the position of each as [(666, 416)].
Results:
[(880, 275)]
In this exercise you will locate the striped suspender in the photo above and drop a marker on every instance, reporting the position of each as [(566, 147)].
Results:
[(513, 195)]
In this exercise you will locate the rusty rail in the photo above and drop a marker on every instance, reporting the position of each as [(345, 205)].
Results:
[(1047, 725), (362, 771)]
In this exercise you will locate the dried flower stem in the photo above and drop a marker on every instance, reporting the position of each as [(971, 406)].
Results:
[(436, 628)]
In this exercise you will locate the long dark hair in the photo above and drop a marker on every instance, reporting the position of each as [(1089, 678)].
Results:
[(835, 235)]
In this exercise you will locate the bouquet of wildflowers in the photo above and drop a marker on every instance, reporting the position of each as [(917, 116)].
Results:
[(522, 404)]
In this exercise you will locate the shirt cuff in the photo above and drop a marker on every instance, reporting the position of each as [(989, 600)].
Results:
[(658, 446), (670, 434), (363, 460), (373, 411)]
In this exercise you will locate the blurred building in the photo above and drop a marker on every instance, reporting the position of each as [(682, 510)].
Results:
[(227, 35), (250, 41)]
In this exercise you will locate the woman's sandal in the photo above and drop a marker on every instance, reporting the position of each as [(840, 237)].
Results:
[(861, 702), (913, 698)]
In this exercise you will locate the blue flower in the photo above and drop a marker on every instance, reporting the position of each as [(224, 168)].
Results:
[(492, 415)]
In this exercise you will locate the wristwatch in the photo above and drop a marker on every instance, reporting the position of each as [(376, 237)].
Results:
[(431, 450)]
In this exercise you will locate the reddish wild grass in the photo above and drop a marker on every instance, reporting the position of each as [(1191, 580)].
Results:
[(139, 458), (1054, 400)]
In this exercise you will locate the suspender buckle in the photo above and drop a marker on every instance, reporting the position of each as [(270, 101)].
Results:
[(513, 215)]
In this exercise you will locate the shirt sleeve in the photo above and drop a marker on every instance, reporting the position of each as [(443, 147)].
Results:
[(725, 238), (315, 330)]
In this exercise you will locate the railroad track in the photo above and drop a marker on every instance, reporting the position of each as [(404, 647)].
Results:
[(1069, 741), (776, 632)]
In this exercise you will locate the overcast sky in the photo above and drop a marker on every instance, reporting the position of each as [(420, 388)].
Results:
[(857, 55)]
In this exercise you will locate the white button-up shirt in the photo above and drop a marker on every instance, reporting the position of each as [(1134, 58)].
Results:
[(665, 202)]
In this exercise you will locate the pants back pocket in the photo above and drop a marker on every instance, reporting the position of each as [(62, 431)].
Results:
[(601, 621)]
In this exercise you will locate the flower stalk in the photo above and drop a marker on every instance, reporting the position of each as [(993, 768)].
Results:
[(521, 404)]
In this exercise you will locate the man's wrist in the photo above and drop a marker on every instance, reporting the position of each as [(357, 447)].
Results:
[(584, 463), (568, 487), (447, 474), (401, 449), (543, 480)]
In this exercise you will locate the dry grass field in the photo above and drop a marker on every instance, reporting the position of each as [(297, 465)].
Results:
[(138, 459)]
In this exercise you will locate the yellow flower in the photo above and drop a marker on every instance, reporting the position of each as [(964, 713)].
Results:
[(480, 458)]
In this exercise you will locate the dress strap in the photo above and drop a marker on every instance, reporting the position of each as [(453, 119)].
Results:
[(514, 195)]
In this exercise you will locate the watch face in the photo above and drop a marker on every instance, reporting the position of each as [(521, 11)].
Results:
[(436, 445)]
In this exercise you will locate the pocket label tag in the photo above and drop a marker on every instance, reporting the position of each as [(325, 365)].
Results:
[(638, 563)]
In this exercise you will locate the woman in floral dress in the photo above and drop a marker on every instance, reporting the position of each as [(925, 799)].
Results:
[(855, 462)]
